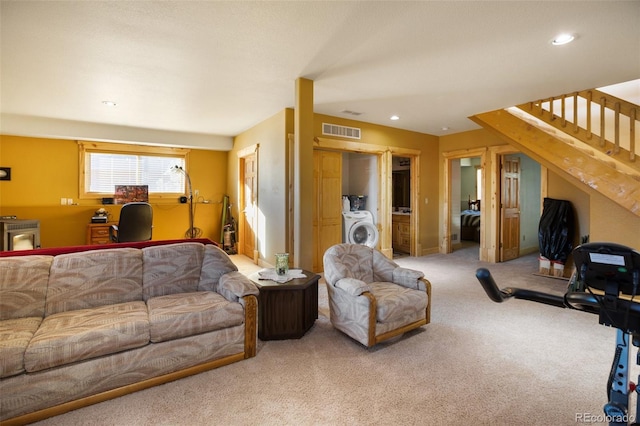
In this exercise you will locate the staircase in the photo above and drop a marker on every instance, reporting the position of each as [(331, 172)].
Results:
[(589, 135)]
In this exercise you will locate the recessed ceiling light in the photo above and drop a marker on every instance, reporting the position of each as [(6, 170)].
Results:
[(109, 103), (394, 117), (562, 39), (444, 129)]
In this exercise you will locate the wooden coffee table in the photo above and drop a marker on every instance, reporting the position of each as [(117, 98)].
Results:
[(287, 310)]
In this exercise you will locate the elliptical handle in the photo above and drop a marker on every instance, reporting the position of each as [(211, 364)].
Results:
[(488, 283), (484, 276)]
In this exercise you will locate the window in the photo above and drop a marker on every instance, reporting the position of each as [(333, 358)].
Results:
[(105, 165)]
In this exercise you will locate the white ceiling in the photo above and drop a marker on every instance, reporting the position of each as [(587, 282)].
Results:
[(218, 68)]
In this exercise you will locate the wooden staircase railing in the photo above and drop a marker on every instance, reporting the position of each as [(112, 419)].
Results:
[(602, 121)]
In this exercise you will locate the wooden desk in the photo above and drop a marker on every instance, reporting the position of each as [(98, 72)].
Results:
[(98, 233), (287, 310)]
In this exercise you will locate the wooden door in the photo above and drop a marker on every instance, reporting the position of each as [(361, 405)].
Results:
[(327, 206), (249, 179), (510, 209)]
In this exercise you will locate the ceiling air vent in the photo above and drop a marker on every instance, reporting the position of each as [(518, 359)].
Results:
[(342, 131)]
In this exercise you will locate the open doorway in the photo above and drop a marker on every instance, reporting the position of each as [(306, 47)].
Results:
[(491, 201), (470, 204), (401, 206), (464, 196), (383, 192)]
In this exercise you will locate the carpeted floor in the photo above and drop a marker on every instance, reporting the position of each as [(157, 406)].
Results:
[(477, 363)]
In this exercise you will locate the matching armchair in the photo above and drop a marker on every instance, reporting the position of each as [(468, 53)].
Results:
[(371, 298)]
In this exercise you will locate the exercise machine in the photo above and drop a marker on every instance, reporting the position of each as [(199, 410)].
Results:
[(605, 282)]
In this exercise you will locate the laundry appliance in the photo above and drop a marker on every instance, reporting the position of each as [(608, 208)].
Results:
[(359, 228)]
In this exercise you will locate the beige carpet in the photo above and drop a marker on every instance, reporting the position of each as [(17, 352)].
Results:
[(477, 363)]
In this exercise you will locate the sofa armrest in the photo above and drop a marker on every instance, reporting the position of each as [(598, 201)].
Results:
[(233, 286), (409, 278), (352, 286)]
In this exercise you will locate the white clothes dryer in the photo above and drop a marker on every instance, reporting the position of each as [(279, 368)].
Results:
[(359, 228)]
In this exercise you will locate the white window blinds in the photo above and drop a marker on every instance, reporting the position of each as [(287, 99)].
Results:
[(103, 169)]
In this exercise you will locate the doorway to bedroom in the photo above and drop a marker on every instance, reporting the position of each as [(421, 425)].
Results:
[(464, 201), (466, 213), (496, 199)]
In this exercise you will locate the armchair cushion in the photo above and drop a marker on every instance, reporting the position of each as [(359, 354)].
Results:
[(352, 286), (397, 303), (409, 278), (343, 261)]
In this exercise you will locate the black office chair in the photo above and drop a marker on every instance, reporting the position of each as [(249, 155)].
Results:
[(135, 223)]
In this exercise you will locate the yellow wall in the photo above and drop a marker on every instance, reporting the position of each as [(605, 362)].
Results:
[(610, 222), (271, 136), (596, 216), (45, 170), (468, 140), (562, 189), (429, 182)]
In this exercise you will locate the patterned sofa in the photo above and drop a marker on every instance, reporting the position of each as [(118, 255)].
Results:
[(84, 324)]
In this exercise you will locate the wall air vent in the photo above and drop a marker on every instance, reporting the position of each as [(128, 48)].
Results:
[(342, 131)]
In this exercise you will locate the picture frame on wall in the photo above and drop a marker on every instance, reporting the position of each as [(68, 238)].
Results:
[(131, 193)]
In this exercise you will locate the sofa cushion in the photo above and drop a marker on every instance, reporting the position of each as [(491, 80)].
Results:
[(72, 336), (184, 314), (94, 278), (15, 335), (170, 269), (23, 286), (395, 302), (215, 264)]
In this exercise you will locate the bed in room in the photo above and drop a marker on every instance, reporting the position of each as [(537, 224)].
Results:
[(470, 222)]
